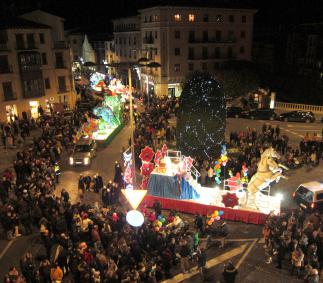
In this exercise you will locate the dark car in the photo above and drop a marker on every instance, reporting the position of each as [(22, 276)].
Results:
[(234, 112), (298, 116), (261, 114), (309, 196)]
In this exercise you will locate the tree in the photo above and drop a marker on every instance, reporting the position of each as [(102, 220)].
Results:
[(238, 79), (201, 117)]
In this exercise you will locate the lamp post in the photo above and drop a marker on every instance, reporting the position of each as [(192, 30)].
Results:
[(129, 66)]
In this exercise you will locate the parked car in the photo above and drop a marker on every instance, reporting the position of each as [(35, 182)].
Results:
[(261, 114), (298, 116), (234, 112), (310, 196), (83, 152)]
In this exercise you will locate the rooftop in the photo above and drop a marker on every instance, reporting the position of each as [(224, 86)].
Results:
[(19, 23)]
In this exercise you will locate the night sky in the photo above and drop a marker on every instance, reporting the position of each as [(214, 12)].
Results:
[(94, 16)]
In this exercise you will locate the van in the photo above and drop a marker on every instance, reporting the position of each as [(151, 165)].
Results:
[(310, 196)]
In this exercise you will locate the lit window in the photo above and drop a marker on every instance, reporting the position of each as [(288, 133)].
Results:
[(191, 17), (155, 18), (177, 67), (177, 17), (218, 18)]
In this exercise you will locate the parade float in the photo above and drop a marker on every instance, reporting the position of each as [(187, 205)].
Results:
[(171, 178)]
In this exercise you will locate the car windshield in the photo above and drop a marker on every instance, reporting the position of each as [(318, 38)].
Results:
[(82, 148), (305, 193)]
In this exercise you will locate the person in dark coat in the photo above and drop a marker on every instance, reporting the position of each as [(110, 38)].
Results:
[(65, 195), (157, 208), (98, 183), (117, 173), (230, 273), (81, 184)]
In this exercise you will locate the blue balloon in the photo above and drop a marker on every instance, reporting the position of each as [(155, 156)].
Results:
[(221, 212), (217, 180)]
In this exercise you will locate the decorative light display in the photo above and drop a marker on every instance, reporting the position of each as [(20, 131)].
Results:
[(230, 200), (215, 216), (201, 117), (222, 161), (128, 173), (97, 81), (134, 197), (146, 155), (135, 218)]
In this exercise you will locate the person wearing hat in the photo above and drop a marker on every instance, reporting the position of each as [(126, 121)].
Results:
[(229, 273)]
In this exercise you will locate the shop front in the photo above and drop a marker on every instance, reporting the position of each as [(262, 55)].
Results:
[(11, 112), (33, 107)]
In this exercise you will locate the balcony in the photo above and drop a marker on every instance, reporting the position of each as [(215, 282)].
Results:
[(23, 46), (10, 96), (148, 40), (33, 94), (60, 65), (210, 57), (6, 69), (62, 90), (30, 68), (61, 45), (4, 47), (212, 40)]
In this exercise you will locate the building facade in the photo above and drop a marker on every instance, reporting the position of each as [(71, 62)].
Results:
[(34, 69), (183, 40)]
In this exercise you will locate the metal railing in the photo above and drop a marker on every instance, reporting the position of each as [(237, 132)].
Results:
[(4, 47), (61, 45)]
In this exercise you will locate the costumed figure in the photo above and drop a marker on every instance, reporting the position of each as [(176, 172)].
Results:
[(268, 171)]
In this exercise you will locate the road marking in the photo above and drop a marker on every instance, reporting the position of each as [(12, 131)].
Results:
[(6, 248), (246, 253), (210, 263)]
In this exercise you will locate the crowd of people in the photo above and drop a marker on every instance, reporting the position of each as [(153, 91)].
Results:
[(296, 243)]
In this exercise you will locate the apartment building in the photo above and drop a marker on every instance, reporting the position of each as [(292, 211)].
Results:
[(183, 40), (34, 69)]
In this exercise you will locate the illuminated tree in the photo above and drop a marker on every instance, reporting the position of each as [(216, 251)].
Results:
[(201, 117)]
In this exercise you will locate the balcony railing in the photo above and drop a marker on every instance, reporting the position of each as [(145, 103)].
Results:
[(62, 90), (61, 45), (148, 40), (10, 96), (4, 47), (60, 65), (24, 46), (6, 69), (32, 94), (210, 57), (212, 40), (30, 68)]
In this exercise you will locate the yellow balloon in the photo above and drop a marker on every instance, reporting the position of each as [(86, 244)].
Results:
[(216, 213)]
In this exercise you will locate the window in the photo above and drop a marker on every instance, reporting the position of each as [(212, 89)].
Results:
[(230, 52), (156, 51), (177, 17), (155, 18), (145, 19), (42, 38), (76, 58), (177, 34), (231, 18), (241, 49), (129, 40), (47, 83), (59, 60), (124, 40), (217, 52), (7, 91), (218, 18), (20, 41), (150, 19), (190, 66), (205, 36), (204, 53), (243, 34), (230, 35), (177, 51), (61, 84), (319, 196), (216, 65), (134, 41), (177, 68), (218, 35), (243, 19), (44, 58), (191, 53), (205, 18), (74, 41), (30, 40), (120, 40), (4, 65), (191, 17), (204, 66), (156, 34), (191, 36)]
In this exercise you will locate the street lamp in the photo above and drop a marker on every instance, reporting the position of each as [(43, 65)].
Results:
[(129, 66)]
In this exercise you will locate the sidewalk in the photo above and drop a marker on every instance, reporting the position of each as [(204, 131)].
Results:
[(8, 155)]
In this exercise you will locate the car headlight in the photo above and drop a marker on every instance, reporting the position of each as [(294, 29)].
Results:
[(71, 160), (86, 160)]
